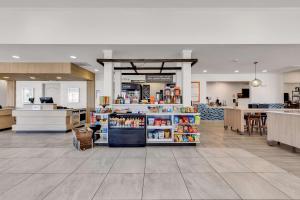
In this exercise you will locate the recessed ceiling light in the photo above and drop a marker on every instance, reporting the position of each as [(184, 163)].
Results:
[(15, 57), (73, 57), (96, 70), (204, 71), (264, 71), (58, 77), (236, 71), (32, 77), (6, 77)]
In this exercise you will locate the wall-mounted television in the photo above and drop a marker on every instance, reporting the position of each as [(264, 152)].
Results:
[(245, 93)]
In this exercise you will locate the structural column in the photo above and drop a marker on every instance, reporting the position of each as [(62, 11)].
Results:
[(108, 75), (11, 93), (187, 78), (179, 78), (118, 83)]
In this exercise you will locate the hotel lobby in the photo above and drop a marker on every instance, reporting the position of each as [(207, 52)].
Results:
[(118, 100)]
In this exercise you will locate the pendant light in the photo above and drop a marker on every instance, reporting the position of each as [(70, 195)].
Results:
[(256, 82)]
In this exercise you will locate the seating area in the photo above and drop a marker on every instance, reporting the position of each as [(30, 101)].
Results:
[(256, 123)]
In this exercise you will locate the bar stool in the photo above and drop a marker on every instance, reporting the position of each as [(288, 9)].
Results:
[(264, 122), (247, 125), (255, 122)]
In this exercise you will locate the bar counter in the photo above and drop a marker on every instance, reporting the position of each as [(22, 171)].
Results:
[(234, 117), (284, 127)]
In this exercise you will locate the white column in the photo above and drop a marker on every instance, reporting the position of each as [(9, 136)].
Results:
[(179, 79), (108, 75), (186, 79), (118, 83)]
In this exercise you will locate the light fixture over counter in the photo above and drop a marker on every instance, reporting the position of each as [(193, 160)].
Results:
[(256, 82)]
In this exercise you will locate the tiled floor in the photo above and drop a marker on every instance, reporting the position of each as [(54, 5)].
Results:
[(224, 166)]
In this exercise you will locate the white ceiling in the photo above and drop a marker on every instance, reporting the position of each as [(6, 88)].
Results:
[(150, 3), (213, 58)]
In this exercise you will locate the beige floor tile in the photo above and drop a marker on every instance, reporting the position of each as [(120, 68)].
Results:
[(35, 187), (212, 152), (133, 153), (121, 186), (100, 165), (227, 165), (159, 152), (63, 165), (77, 187), (161, 165), (208, 186), (30, 165), (8, 181), (105, 152), (129, 165), (164, 186), (185, 152), (193, 165), (239, 153), (287, 183), (259, 165), (252, 186)]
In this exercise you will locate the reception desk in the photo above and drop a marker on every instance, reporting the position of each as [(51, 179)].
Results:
[(284, 127), (6, 119), (42, 120)]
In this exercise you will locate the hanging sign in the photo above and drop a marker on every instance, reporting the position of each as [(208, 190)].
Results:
[(159, 78)]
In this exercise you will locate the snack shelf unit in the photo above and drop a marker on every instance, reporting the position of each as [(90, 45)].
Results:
[(168, 134), (170, 126), (103, 140)]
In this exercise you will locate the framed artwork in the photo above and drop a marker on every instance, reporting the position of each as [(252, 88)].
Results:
[(27, 93), (73, 95), (195, 91)]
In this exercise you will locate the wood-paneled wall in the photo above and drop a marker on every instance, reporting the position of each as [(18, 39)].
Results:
[(11, 93)]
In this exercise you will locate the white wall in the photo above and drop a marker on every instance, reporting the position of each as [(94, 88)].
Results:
[(225, 91), (3, 92), (62, 96), (270, 92), (150, 26)]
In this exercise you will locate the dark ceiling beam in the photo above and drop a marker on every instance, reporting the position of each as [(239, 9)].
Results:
[(148, 73), (147, 68), (162, 66), (134, 67), (103, 60)]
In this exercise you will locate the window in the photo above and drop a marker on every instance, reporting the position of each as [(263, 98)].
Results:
[(73, 95), (27, 93)]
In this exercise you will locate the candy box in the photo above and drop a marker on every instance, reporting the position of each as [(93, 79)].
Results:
[(191, 119)]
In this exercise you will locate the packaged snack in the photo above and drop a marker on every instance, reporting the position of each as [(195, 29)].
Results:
[(176, 120), (191, 119), (185, 120), (169, 123), (157, 122), (180, 129), (150, 121), (161, 134), (163, 122), (184, 138), (191, 129), (167, 133), (197, 119), (190, 138), (186, 129)]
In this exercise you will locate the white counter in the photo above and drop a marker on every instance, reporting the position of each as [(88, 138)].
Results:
[(42, 120), (284, 127)]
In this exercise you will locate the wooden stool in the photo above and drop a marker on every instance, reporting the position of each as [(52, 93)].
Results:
[(264, 122), (255, 122)]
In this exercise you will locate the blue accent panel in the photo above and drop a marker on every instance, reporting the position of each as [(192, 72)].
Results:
[(276, 105), (208, 113), (214, 113)]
